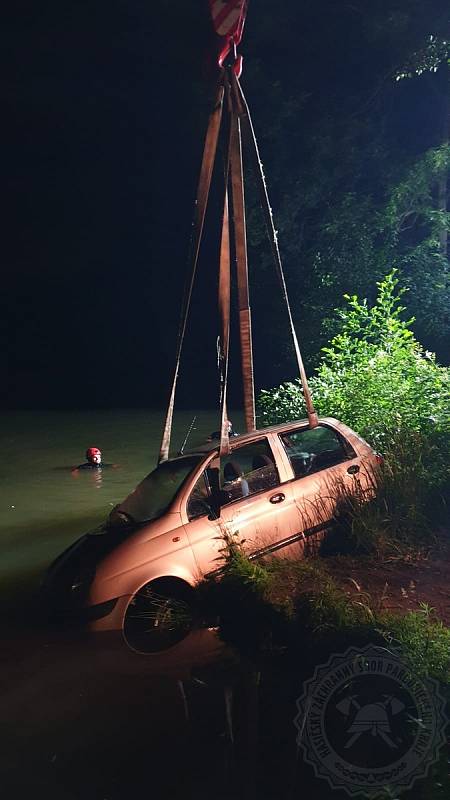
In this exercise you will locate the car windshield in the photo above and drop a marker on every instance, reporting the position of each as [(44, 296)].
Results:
[(157, 491)]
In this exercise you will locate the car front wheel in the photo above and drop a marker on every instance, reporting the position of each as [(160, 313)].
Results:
[(158, 616)]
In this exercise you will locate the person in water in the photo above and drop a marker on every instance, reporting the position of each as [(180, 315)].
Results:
[(94, 460), (216, 434)]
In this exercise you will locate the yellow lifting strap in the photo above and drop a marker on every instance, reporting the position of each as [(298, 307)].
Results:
[(209, 156)]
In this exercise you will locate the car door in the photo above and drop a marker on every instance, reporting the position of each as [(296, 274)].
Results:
[(257, 507), (324, 467)]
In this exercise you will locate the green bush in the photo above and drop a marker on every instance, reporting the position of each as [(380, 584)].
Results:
[(378, 379), (374, 375)]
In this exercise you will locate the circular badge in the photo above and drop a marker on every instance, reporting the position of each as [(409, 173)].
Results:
[(365, 722)]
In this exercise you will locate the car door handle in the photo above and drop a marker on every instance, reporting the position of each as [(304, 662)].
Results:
[(353, 469), (277, 498)]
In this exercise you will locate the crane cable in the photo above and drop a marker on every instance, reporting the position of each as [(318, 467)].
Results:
[(250, 138), (209, 155)]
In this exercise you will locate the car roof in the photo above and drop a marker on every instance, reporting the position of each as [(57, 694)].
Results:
[(243, 438)]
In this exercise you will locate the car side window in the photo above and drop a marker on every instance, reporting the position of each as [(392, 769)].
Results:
[(313, 449), (199, 503), (247, 470)]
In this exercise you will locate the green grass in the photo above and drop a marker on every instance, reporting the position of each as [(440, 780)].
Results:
[(422, 638), (297, 607)]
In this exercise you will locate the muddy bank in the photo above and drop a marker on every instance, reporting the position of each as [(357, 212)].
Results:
[(399, 586)]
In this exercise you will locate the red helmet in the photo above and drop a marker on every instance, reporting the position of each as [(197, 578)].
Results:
[(92, 451)]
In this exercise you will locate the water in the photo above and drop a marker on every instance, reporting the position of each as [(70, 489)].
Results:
[(43, 506), (90, 719)]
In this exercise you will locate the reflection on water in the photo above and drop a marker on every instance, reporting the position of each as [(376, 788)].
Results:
[(94, 475), (87, 719)]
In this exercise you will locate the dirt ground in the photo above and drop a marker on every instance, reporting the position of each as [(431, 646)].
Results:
[(400, 586)]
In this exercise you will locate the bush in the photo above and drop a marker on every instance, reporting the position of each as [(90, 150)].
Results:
[(374, 375), (377, 378)]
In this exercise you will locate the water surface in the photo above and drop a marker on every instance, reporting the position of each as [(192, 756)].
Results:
[(86, 718), (43, 506)]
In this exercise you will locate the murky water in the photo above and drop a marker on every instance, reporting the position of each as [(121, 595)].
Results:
[(43, 506), (80, 717), (86, 719)]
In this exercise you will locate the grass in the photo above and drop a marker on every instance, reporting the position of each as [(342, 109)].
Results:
[(399, 514), (423, 639), (297, 607)]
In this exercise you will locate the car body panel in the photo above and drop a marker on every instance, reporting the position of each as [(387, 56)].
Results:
[(146, 552)]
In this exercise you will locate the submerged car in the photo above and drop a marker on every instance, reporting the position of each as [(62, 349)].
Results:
[(276, 493)]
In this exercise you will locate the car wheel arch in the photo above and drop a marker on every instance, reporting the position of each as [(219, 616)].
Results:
[(178, 592)]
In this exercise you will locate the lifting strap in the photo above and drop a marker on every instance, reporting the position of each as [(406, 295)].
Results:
[(250, 138), (225, 289), (209, 155), (238, 119), (240, 246), (224, 314)]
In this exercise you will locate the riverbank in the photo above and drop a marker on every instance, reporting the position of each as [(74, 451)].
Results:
[(398, 585), (319, 605)]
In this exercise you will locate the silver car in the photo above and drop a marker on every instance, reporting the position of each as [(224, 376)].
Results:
[(276, 493)]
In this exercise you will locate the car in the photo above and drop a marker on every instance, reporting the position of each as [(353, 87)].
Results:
[(275, 493)]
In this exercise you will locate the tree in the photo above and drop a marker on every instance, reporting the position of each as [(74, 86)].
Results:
[(434, 57), (354, 161)]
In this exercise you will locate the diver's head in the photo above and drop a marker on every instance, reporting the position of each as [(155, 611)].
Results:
[(94, 455)]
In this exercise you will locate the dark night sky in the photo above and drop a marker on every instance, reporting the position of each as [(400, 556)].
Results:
[(104, 110), (100, 165)]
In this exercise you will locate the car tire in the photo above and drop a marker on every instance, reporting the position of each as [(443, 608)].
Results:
[(159, 616)]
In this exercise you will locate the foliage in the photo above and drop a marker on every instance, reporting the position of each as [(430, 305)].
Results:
[(292, 604), (377, 378), (374, 376), (400, 520), (238, 596), (344, 187), (239, 569), (403, 511), (320, 603), (424, 639), (435, 52), (413, 225)]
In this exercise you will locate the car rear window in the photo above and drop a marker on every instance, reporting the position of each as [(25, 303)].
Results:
[(313, 449)]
